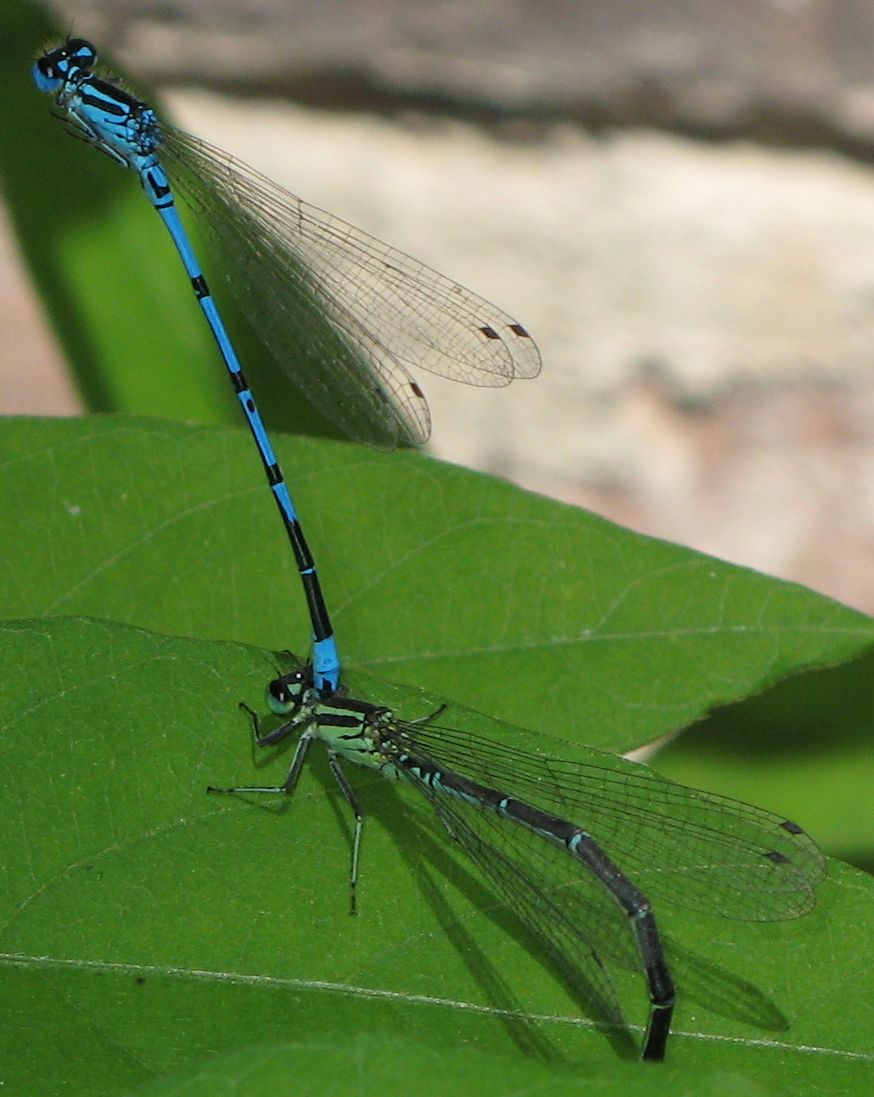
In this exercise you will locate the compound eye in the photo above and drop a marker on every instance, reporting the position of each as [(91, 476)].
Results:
[(49, 71), (280, 699), (279, 691)]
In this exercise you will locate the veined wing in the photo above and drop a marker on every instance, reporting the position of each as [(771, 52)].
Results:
[(553, 896), (347, 315), (681, 845)]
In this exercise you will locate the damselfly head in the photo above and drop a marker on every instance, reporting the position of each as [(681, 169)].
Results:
[(57, 64), (286, 693)]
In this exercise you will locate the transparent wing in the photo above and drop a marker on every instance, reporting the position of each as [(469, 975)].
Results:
[(346, 315), (678, 844), (549, 892)]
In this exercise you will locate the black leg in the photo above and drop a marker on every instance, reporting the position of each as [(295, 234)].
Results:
[(352, 801)]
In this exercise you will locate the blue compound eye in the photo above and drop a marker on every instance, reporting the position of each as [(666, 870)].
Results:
[(47, 74)]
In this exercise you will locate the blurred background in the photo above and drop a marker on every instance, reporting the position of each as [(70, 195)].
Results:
[(676, 198)]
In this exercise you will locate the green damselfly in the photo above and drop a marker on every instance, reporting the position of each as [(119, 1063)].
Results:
[(576, 848)]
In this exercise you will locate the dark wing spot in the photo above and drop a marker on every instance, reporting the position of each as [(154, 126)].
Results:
[(517, 329), (489, 332), (777, 857), (793, 828)]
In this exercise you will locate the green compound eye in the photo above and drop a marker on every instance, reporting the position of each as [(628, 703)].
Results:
[(280, 699)]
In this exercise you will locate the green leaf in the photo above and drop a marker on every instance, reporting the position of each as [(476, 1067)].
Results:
[(146, 925), (433, 572), (539, 613), (806, 742)]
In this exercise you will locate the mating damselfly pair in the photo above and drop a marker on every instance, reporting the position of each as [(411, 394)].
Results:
[(576, 848)]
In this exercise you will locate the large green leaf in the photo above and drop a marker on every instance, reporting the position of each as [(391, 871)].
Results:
[(146, 925), (536, 612)]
